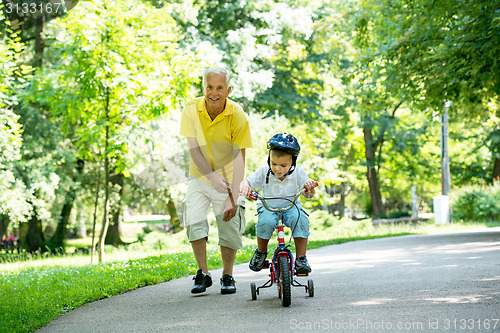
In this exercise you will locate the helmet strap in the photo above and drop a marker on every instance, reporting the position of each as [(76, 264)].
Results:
[(269, 165), (267, 176), (294, 163)]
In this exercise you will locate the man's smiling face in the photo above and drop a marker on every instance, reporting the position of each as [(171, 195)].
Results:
[(216, 91)]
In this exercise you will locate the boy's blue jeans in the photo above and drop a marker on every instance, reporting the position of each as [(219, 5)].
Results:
[(268, 222)]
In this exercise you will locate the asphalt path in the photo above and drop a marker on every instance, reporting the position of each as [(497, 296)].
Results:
[(424, 283)]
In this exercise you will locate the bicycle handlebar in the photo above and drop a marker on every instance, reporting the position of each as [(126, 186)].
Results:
[(255, 195)]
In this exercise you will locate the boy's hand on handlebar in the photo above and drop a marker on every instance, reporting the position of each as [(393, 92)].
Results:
[(245, 189), (309, 186)]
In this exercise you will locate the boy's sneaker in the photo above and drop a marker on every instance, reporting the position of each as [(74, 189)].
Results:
[(201, 282), (227, 283), (257, 261), (302, 266)]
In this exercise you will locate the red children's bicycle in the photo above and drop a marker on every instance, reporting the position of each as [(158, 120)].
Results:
[(282, 270)]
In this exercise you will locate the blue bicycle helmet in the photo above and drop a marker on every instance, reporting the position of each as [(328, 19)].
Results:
[(284, 142)]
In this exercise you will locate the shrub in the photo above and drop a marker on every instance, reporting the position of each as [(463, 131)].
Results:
[(321, 219), (477, 202)]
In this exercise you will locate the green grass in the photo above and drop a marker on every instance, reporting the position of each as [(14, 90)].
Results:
[(37, 290)]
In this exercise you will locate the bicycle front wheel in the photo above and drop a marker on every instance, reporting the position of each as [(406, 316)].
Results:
[(284, 277)]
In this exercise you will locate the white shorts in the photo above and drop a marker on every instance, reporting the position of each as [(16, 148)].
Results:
[(200, 195)]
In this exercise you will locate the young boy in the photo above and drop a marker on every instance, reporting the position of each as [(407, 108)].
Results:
[(282, 176)]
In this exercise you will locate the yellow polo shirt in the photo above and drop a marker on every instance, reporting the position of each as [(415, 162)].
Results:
[(218, 138)]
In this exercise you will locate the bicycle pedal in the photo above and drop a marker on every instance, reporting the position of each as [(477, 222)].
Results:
[(302, 274), (266, 264)]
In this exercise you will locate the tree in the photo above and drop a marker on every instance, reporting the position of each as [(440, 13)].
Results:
[(45, 158), (114, 68), (494, 143), (437, 52)]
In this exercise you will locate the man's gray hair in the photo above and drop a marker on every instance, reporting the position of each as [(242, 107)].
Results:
[(216, 70)]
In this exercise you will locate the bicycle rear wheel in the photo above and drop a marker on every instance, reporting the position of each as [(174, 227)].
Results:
[(284, 281)]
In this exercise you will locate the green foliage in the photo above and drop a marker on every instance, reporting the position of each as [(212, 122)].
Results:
[(320, 220), (215, 18), (110, 58), (493, 142), (477, 203), (472, 151), (439, 50)]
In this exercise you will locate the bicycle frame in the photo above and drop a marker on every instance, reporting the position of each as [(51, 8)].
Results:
[(282, 250)]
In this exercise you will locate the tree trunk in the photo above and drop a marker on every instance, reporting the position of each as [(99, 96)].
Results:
[(372, 174), (174, 218), (39, 41), (82, 229), (113, 234), (23, 236), (105, 220), (34, 236), (341, 203), (31, 234), (94, 221), (496, 169), (4, 223), (57, 240)]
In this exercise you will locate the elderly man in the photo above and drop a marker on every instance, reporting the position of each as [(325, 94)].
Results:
[(217, 134)]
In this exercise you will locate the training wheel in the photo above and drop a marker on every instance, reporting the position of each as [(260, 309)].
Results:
[(253, 288), (310, 287)]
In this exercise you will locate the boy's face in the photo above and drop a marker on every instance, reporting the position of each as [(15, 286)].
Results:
[(280, 164)]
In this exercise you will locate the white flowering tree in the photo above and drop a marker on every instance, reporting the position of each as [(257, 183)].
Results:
[(15, 206)]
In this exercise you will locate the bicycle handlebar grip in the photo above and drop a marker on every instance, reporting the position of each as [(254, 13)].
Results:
[(253, 196), (316, 184)]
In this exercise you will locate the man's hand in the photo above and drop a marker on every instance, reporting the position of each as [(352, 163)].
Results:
[(219, 183), (228, 209)]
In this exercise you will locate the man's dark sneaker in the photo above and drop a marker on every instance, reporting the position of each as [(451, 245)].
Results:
[(227, 283), (257, 261), (201, 282), (302, 266)]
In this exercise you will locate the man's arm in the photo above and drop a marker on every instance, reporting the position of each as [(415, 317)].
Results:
[(229, 207), (238, 170), (219, 183)]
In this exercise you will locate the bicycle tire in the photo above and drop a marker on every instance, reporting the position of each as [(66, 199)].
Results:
[(253, 289), (310, 287), (285, 281)]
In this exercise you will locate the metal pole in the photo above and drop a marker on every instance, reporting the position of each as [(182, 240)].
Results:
[(445, 162)]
